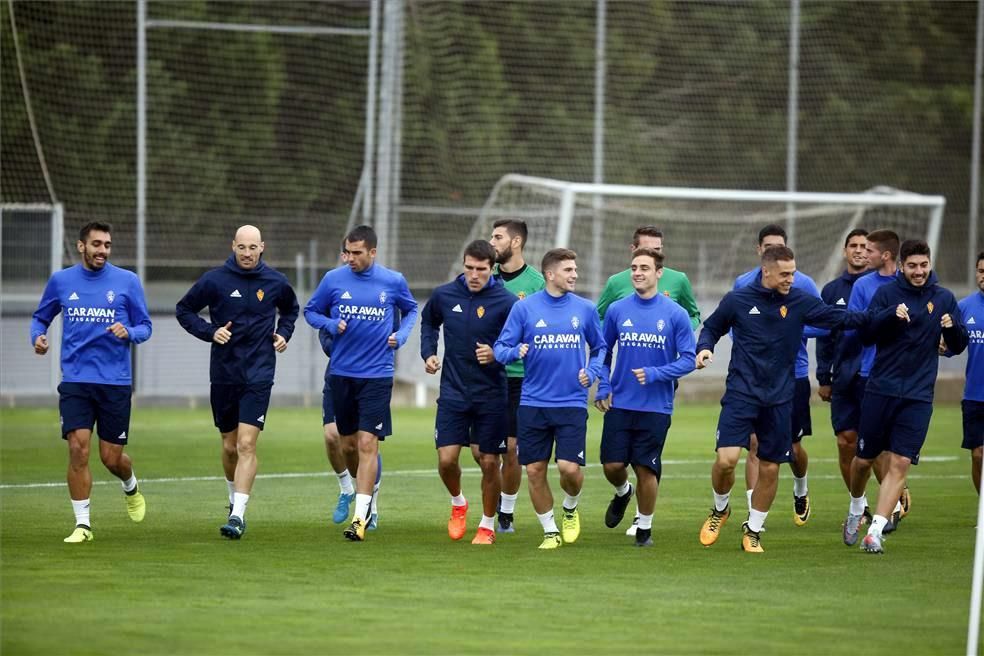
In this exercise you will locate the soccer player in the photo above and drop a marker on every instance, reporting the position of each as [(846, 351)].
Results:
[(772, 236), (766, 318), (898, 399), (104, 312), (882, 248), (655, 347), (358, 304), (509, 240), (550, 331), (672, 283), (972, 314), (244, 298), (839, 361), (472, 310)]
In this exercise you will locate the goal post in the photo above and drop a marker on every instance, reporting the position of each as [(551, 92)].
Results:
[(710, 234)]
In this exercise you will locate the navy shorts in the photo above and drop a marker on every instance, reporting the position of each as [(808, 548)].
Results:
[(327, 405), (479, 424), (515, 392), (802, 422), (84, 405), (239, 404), (973, 423), (362, 404), (845, 405), (632, 436), (893, 424), (539, 428), (770, 423)]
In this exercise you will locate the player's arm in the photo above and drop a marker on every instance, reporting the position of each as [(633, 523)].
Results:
[(430, 327), (688, 302), (507, 347), (139, 327), (187, 309), (715, 327), (327, 340), (288, 308), (407, 305), (686, 347), (48, 308), (318, 309), (596, 344), (809, 331), (825, 352), (955, 335)]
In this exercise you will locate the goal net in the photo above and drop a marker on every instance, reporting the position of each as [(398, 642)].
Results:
[(711, 234)]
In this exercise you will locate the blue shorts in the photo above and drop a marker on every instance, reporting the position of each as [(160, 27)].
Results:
[(802, 422), (239, 404), (515, 385), (845, 405), (362, 404), (539, 428), (770, 423), (84, 405), (973, 423), (479, 424), (892, 424), (327, 405), (632, 436)]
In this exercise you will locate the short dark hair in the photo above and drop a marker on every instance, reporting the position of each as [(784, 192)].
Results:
[(886, 240), (94, 225), (980, 256), (778, 254), (480, 250), (772, 230), (649, 252), (362, 233), (646, 231), (913, 247), (515, 228), (552, 257), (857, 232)]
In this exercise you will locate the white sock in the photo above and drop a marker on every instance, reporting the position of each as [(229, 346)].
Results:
[(487, 522), (508, 502), (721, 500), (81, 508), (374, 506), (898, 507), (623, 489), (756, 520), (459, 500), (858, 505), (130, 485), (748, 495), (345, 483), (547, 522), (799, 486), (231, 485), (877, 524), (570, 503), (645, 521), (239, 501), (362, 502)]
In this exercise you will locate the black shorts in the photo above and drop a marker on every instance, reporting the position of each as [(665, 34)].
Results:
[(973, 423), (479, 424), (893, 424), (740, 418), (515, 392), (635, 437), (802, 422), (362, 404), (327, 405), (84, 405), (845, 405), (239, 404), (540, 428)]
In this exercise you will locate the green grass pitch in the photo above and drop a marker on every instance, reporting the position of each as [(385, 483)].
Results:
[(293, 585)]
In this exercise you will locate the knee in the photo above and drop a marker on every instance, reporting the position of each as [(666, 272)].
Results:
[(245, 448), (977, 455), (847, 442), (229, 448), (536, 472), (78, 449), (568, 469), (489, 463), (725, 464), (613, 469), (447, 465)]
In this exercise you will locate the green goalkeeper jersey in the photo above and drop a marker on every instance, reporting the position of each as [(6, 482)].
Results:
[(673, 283), (522, 283)]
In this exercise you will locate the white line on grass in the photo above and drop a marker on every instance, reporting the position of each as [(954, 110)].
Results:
[(468, 470)]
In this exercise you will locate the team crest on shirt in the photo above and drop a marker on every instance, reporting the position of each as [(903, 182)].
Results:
[(382, 298), (259, 294), (480, 311), (783, 311), (521, 295), (575, 322), (930, 306), (110, 296), (660, 325)]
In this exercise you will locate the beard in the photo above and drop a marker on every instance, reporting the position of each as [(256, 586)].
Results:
[(504, 256)]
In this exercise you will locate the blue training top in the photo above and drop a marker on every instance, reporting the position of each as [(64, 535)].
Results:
[(861, 295), (972, 311), (557, 331), (90, 302), (838, 358), (655, 335)]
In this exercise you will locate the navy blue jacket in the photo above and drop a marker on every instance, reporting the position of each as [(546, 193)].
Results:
[(250, 299), (906, 353), (767, 330), (838, 359), (467, 319)]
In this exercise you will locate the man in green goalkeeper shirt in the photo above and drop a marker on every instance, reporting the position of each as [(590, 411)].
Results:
[(673, 283), (508, 240)]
